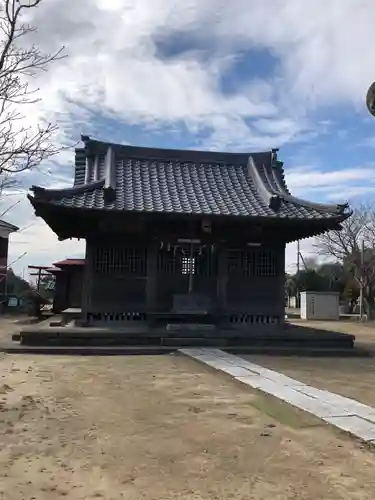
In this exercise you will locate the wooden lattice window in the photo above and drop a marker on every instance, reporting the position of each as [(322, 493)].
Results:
[(265, 264), (120, 260), (201, 261), (188, 265), (252, 263)]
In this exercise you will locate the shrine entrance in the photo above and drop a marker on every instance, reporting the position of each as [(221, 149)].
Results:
[(187, 273)]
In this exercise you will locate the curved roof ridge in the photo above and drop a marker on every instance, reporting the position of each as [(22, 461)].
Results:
[(274, 190), (269, 196), (278, 176), (48, 194), (271, 180)]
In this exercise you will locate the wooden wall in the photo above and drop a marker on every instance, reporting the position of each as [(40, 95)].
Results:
[(125, 278), (68, 288), (4, 243)]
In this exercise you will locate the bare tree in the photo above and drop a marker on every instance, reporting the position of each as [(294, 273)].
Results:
[(21, 147), (345, 247)]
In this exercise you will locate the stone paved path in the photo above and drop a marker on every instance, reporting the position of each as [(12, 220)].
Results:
[(347, 414)]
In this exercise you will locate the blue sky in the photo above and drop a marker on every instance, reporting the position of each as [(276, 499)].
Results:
[(230, 76)]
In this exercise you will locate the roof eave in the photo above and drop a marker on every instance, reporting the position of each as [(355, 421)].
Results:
[(41, 193), (273, 197), (48, 203), (7, 227)]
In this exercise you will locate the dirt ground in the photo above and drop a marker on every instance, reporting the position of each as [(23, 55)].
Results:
[(163, 427), (10, 324), (364, 332), (351, 377)]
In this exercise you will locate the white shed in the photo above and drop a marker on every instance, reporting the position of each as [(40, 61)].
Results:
[(320, 305)]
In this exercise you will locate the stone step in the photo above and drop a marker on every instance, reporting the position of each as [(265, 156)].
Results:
[(189, 327), (110, 350), (85, 350), (193, 342)]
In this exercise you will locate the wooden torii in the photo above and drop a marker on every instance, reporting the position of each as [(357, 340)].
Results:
[(41, 272)]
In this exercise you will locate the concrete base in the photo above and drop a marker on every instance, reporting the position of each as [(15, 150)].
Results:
[(266, 339), (70, 314), (84, 350)]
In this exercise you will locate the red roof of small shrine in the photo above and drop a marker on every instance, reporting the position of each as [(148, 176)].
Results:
[(69, 262)]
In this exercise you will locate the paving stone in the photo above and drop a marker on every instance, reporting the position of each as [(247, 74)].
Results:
[(366, 413), (216, 352), (251, 367), (270, 374), (283, 380), (254, 381), (274, 389), (293, 397), (253, 372), (322, 410), (248, 367), (322, 393), (347, 414), (236, 371), (192, 351), (205, 357), (351, 406), (218, 361), (354, 425)]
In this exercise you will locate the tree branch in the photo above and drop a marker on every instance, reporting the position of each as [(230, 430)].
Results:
[(345, 246), (21, 148)]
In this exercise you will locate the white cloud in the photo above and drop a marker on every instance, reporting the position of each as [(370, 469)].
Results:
[(114, 63), (324, 55), (335, 185), (323, 46), (307, 177)]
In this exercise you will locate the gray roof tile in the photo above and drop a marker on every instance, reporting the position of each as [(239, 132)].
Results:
[(185, 182)]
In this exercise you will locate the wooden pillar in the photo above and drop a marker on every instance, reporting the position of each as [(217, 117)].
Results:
[(281, 282), (58, 293), (151, 283), (87, 279), (222, 279), (38, 280), (68, 285)]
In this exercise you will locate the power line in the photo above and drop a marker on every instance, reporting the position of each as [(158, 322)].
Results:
[(9, 208)]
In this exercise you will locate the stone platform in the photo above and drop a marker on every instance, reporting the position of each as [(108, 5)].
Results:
[(284, 340)]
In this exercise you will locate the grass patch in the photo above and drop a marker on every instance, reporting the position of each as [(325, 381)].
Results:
[(284, 413)]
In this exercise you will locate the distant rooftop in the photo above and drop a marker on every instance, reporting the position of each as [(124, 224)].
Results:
[(69, 262), (6, 228)]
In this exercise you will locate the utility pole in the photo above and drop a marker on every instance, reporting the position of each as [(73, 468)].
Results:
[(298, 269), (370, 103), (362, 260)]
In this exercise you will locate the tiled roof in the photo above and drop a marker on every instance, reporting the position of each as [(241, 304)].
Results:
[(8, 227), (125, 178), (69, 262)]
